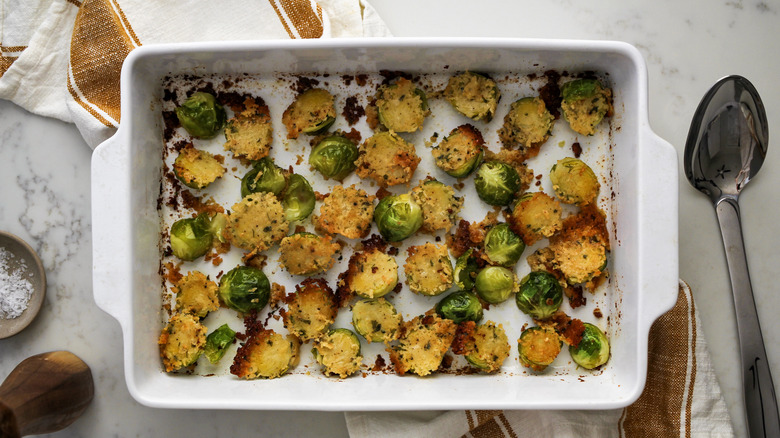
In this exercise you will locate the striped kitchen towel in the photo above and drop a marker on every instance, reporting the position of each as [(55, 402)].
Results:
[(62, 58), (681, 399)]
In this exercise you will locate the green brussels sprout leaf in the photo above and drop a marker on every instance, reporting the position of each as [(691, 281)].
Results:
[(299, 199), (466, 268), (217, 226), (201, 115), (217, 343), (244, 289)]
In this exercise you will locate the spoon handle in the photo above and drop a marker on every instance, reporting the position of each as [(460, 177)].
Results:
[(760, 401)]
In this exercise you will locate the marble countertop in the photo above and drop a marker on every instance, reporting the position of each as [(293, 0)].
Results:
[(688, 45)]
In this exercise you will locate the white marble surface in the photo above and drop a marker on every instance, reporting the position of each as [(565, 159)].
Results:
[(688, 45)]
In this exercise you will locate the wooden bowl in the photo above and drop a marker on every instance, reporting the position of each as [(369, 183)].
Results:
[(19, 252)]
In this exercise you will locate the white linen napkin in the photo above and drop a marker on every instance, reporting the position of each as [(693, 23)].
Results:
[(62, 58)]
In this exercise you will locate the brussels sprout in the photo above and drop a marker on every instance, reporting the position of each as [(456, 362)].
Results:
[(538, 347), (299, 198), (310, 310), (201, 115), (266, 355), (527, 125), (191, 237), (197, 169), (439, 204), (535, 216), (428, 269), (401, 107), (496, 182), (312, 112), (495, 284), (593, 349), (371, 273), (265, 176), (376, 320), (244, 288), (502, 246), (574, 181), (585, 103), (398, 217), (474, 95), (540, 295), (338, 352), (460, 306), (460, 152), (181, 341), (466, 268), (489, 349), (217, 343), (334, 157)]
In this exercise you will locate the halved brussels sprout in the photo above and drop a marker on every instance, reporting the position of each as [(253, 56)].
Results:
[(338, 352), (460, 152), (585, 103), (422, 346), (196, 294), (398, 217), (401, 107), (257, 222), (312, 112), (244, 289), (473, 94), (371, 273), (502, 246), (593, 349), (191, 237), (466, 268), (439, 205), (497, 183), (334, 157), (489, 349), (307, 253), (527, 125), (540, 295), (266, 355), (265, 176), (217, 343), (197, 169), (376, 320), (495, 284), (535, 216), (310, 310), (538, 347), (299, 198), (181, 341), (387, 158), (428, 269), (460, 306), (347, 211), (574, 181), (201, 115)]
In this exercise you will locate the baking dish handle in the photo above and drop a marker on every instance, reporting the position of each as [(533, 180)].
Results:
[(658, 162), (111, 227)]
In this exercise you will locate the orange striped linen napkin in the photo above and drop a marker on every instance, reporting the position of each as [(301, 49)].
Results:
[(62, 58), (681, 399)]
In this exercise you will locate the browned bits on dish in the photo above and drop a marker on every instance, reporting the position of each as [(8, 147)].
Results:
[(353, 110), (550, 93)]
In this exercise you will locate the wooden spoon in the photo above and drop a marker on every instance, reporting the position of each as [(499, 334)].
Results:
[(44, 393)]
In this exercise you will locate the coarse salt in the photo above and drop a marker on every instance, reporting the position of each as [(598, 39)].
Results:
[(15, 289)]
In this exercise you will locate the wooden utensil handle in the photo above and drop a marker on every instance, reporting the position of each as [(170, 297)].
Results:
[(44, 393)]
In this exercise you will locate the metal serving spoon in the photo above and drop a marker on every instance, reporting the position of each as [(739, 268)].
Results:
[(726, 146)]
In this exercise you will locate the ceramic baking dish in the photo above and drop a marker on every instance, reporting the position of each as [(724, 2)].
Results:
[(639, 195)]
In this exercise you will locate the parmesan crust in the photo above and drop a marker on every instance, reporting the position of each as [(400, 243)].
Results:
[(387, 158), (249, 133), (257, 222), (181, 342), (421, 348), (428, 269), (196, 294), (266, 355), (347, 211), (310, 310), (307, 254)]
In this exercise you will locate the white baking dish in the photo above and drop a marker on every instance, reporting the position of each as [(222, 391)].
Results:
[(642, 206)]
